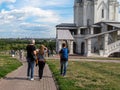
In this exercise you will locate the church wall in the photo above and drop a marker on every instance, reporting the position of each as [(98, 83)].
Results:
[(101, 5), (111, 11), (78, 44), (117, 15), (94, 44), (117, 12), (86, 14), (95, 10), (78, 15), (90, 13)]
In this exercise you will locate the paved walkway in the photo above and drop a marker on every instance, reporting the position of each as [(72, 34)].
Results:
[(17, 80)]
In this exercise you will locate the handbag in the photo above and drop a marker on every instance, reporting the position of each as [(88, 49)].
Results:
[(34, 57)]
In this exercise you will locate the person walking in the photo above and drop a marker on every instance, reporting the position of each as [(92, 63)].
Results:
[(64, 53), (41, 60), (31, 52)]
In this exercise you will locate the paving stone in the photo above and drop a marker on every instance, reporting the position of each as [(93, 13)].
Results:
[(17, 80)]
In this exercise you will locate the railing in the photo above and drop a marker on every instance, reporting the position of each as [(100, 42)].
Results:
[(114, 47)]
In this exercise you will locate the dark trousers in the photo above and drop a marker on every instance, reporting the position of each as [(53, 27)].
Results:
[(41, 65)]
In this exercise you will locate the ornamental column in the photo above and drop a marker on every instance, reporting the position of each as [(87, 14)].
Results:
[(91, 30), (71, 47), (105, 45), (88, 47), (79, 31)]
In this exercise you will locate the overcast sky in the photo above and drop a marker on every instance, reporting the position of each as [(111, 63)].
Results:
[(33, 18)]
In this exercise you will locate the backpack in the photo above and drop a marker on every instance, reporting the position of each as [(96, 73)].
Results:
[(64, 53)]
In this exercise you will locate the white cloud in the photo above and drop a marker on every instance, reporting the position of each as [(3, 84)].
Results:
[(29, 17), (54, 2), (12, 1), (42, 3), (43, 15), (34, 27), (29, 12), (11, 6)]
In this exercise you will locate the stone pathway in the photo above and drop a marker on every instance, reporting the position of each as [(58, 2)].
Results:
[(17, 80)]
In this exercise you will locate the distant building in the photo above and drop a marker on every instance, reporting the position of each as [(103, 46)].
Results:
[(95, 31)]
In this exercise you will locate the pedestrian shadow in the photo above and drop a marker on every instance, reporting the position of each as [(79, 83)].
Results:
[(15, 78), (47, 77), (44, 76)]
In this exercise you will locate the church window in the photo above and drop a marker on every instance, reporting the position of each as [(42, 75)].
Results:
[(82, 32), (102, 13), (97, 30)]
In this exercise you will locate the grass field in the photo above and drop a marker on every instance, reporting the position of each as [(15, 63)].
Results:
[(8, 64), (87, 75)]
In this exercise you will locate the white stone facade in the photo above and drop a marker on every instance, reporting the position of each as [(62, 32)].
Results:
[(93, 11), (95, 27)]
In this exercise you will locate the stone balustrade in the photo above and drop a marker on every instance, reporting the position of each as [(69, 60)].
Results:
[(114, 47)]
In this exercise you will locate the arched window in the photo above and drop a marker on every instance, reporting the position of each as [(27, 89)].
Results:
[(102, 13)]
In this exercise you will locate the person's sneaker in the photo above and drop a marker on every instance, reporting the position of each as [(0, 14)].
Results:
[(64, 75), (32, 79)]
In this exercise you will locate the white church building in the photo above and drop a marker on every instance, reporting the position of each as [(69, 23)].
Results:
[(95, 31)]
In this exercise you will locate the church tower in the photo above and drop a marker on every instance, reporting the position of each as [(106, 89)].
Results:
[(106, 10), (83, 12), (88, 12), (95, 30), (113, 10)]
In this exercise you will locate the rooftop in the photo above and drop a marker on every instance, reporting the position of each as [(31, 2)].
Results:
[(66, 25)]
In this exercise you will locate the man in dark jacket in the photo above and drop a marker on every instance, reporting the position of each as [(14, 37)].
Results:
[(31, 52)]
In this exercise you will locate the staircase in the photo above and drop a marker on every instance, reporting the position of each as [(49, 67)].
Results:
[(107, 45), (114, 47)]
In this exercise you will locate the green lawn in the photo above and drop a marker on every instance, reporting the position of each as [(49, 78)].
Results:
[(87, 75), (8, 64)]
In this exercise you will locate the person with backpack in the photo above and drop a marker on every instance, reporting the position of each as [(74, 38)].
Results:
[(31, 53), (64, 53)]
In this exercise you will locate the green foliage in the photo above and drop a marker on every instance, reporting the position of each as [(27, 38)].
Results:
[(8, 64), (87, 75), (8, 44), (18, 44)]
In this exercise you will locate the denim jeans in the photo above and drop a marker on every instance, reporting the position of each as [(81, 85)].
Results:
[(30, 69), (64, 65)]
